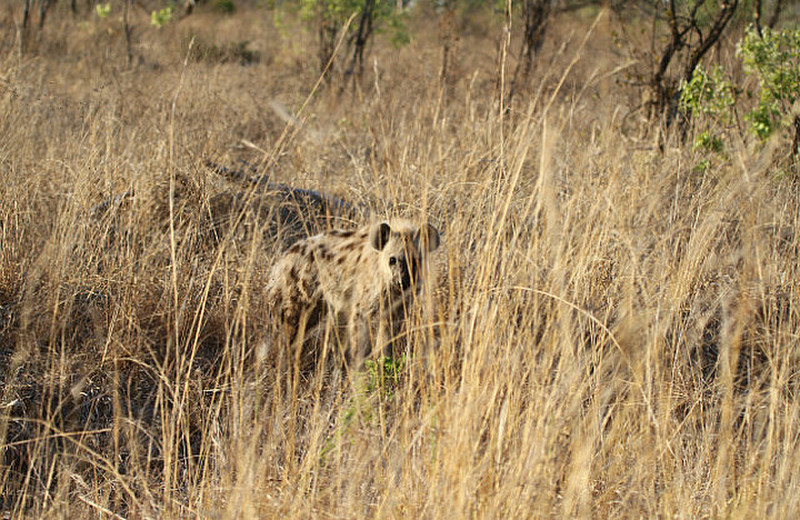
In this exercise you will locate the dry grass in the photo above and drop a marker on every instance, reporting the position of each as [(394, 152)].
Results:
[(612, 332)]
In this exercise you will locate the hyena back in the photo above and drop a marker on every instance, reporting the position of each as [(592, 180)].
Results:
[(365, 279)]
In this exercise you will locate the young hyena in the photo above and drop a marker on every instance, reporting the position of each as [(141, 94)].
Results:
[(364, 279)]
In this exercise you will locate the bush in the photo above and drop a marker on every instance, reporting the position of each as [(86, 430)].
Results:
[(774, 58)]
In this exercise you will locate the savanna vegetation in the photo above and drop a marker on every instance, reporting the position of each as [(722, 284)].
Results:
[(612, 327)]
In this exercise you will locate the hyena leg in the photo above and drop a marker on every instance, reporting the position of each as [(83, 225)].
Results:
[(307, 320), (361, 338)]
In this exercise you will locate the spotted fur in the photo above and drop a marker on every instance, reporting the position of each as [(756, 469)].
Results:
[(365, 279)]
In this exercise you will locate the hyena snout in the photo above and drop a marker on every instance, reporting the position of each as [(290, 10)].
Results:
[(410, 271), (407, 271)]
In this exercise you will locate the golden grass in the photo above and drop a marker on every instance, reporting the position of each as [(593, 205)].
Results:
[(612, 332)]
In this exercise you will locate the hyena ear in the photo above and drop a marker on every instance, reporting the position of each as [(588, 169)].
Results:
[(379, 235), (429, 236)]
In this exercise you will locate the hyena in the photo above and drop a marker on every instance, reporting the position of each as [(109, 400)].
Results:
[(365, 279), (283, 214)]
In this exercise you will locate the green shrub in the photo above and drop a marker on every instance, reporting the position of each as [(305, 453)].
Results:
[(103, 10), (774, 58), (162, 17), (710, 94), (224, 6)]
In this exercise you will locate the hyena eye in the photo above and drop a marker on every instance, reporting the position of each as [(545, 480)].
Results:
[(392, 260)]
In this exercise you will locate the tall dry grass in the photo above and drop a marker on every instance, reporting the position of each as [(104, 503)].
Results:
[(612, 332)]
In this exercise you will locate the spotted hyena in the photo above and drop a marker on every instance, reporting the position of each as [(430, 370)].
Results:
[(364, 279)]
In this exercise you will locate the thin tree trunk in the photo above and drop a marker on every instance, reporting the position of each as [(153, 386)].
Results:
[(126, 26), (26, 11), (43, 7), (776, 12), (361, 38), (757, 18), (536, 14), (664, 99), (796, 143)]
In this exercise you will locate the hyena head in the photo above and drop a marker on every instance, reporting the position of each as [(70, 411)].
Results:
[(402, 248)]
